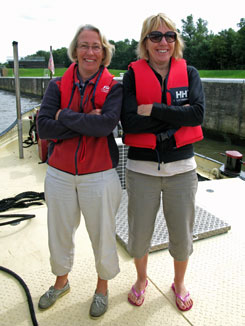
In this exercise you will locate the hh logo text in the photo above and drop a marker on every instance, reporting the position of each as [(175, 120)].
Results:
[(181, 95)]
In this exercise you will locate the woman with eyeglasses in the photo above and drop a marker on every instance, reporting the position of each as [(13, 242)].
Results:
[(163, 108), (78, 115)]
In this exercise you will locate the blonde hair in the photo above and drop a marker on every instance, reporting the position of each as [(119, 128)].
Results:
[(107, 47), (151, 24)]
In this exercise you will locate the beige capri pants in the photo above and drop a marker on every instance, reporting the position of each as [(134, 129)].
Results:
[(97, 196), (178, 200)]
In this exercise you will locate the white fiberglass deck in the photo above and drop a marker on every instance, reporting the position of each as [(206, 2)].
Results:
[(215, 277)]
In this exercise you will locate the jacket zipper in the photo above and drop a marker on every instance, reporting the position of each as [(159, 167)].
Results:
[(79, 143)]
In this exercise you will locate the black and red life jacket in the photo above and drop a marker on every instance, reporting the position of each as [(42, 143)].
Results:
[(148, 91), (84, 154)]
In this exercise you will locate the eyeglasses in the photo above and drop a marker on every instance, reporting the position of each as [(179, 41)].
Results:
[(86, 47), (157, 36)]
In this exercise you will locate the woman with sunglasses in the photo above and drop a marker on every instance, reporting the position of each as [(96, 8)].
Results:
[(163, 109)]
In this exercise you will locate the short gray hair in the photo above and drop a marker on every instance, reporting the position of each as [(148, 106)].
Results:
[(107, 47)]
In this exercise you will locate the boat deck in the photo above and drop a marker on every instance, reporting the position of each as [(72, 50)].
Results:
[(215, 276)]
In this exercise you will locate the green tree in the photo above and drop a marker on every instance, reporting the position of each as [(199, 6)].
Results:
[(239, 45), (242, 23), (188, 28), (197, 42), (223, 49), (203, 49), (125, 52), (61, 58), (41, 53)]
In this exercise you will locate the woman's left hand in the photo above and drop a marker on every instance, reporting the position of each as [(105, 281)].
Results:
[(144, 109)]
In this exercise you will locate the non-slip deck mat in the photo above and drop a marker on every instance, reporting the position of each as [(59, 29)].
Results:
[(123, 153), (206, 225)]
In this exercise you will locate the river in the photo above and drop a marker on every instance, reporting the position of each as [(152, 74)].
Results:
[(208, 146), (8, 113), (214, 148)]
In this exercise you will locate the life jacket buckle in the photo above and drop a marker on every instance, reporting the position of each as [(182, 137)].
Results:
[(162, 136)]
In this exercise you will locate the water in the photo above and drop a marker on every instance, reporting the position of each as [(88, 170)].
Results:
[(214, 148), (8, 113), (208, 146)]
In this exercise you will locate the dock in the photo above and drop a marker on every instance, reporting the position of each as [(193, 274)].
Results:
[(215, 275)]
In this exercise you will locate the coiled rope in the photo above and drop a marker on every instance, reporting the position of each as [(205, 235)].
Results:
[(22, 200), (32, 139)]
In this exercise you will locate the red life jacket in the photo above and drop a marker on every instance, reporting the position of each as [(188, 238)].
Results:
[(84, 154), (148, 91), (104, 82)]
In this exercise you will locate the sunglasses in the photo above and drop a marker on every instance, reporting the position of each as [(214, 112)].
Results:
[(156, 36)]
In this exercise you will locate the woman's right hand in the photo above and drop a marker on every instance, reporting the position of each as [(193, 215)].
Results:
[(57, 114), (144, 109), (95, 112)]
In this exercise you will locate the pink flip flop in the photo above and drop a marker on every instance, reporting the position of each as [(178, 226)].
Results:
[(182, 299), (137, 295)]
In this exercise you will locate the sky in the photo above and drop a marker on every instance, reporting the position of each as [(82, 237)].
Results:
[(38, 24)]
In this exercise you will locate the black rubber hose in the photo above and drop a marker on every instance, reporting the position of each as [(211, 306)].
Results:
[(29, 299), (17, 220)]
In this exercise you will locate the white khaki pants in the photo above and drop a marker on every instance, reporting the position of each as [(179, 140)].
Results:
[(97, 196)]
